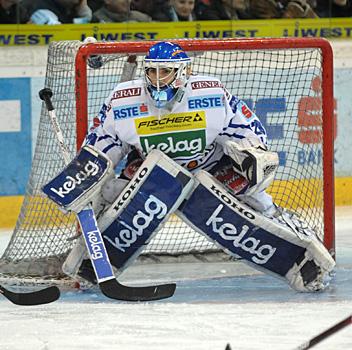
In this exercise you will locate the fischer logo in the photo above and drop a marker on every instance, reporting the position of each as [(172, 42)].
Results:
[(90, 169), (196, 85), (126, 93), (153, 207), (95, 244), (131, 187), (261, 253), (177, 121)]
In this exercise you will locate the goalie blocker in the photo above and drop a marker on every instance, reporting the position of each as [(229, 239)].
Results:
[(302, 260)]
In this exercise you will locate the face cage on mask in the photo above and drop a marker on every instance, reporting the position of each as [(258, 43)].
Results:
[(163, 95)]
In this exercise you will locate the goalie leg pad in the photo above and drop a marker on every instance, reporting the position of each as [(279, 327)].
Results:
[(152, 195), (266, 245)]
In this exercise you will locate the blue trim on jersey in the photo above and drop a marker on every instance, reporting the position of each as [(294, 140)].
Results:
[(109, 147), (234, 135), (104, 137), (239, 126), (91, 139)]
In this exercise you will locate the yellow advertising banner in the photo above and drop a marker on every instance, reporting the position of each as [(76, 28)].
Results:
[(29, 35)]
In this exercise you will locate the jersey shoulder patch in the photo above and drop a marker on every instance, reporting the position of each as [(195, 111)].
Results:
[(126, 101), (200, 82)]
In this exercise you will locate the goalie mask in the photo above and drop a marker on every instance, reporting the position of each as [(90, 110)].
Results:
[(167, 69)]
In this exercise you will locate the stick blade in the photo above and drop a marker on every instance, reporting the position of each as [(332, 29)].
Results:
[(43, 296), (115, 290)]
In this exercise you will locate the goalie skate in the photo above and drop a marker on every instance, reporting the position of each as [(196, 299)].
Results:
[(307, 274)]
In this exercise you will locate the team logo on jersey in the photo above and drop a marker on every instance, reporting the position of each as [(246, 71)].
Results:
[(102, 113), (246, 111), (181, 144), (177, 135), (204, 102), (130, 111), (206, 84), (126, 93)]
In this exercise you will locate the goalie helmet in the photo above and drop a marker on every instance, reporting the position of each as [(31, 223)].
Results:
[(167, 69)]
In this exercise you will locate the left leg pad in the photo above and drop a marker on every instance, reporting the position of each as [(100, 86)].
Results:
[(265, 244)]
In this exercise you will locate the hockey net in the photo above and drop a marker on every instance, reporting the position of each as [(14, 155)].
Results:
[(287, 82)]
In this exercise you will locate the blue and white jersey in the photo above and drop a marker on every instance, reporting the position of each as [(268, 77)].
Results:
[(191, 133)]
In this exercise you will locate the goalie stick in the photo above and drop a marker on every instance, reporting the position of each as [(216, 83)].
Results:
[(320, 337), (107, 282), (43, 296)]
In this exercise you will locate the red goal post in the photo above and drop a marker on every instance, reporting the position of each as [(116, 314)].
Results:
[(239, 45)]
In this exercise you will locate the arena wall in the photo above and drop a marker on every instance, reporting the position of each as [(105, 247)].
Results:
[(22, 72)]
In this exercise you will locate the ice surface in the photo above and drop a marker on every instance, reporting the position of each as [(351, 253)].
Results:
[(214, 304)]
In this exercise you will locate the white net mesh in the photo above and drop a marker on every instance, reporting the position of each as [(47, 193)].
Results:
[(282, 86)]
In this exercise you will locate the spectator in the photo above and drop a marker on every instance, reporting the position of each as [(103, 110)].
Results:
[(12, 12), (145, 6), (158, 10), (182, 10), (222, 9), (95, 4), (61, 11), (334, 8), (281, 9), (118, 11)]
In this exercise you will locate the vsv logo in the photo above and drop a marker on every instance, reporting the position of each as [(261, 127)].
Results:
[(90, 169), (227, 231), (153, 207)]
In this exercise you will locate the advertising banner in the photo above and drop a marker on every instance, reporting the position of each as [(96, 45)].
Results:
[(31, 35)]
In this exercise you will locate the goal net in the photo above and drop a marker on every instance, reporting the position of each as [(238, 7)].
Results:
[(287, 82)]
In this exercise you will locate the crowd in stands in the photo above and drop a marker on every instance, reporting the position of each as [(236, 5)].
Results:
[(105, 11)]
